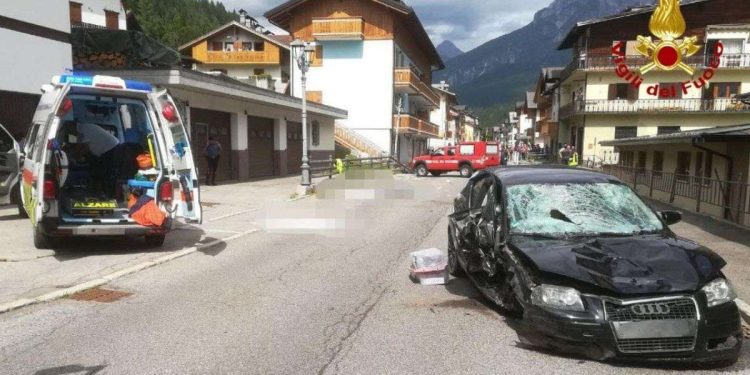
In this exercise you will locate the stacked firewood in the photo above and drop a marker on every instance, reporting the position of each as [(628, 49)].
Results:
[(83, 60)]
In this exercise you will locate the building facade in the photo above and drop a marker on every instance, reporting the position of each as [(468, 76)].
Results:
[(598, 105), (547, 99), (444, 116), (371, 58), (38, 34), (241, 50)]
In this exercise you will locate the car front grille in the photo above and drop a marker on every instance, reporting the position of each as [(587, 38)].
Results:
[(683, 308), (658, 345)]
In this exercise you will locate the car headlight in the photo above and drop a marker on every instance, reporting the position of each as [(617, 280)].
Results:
[(557, 297), (718, 292)]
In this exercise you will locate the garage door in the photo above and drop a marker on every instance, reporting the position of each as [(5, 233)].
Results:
[(206, 123), (260, 146), (294, 147)]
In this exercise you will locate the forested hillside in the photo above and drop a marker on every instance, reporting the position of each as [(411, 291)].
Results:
[(175, 22)]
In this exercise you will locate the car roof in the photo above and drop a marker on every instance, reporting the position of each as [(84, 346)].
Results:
[(522, 175)]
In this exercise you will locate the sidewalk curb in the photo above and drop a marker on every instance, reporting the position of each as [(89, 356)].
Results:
[(17, 304), (744, 309)]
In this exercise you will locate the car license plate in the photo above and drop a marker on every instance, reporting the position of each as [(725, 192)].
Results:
[(655, 329)]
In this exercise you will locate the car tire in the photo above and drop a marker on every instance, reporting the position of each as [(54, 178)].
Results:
[(454, 266), (155, 240), (466, 170), (41, 240), (435, 174), (19, 202), (421, 170)]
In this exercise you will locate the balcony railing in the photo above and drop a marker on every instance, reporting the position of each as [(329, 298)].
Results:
[(349, 28), (243, 57), (410, 124), (405, 78), (606, 62), (654, 106)]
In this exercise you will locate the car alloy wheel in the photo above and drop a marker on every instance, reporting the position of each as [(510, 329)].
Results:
[(466, 170), (421, 170)]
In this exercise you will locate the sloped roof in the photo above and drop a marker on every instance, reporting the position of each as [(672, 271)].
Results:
[(279, 17), (269, 38), (722, 133), (571, 37)]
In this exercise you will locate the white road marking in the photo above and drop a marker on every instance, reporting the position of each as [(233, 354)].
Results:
[(230, 215)]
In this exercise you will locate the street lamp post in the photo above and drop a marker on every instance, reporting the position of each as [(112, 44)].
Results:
[(302, 54)]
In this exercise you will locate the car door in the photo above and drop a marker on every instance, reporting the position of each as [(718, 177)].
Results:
[(466, 222), (178, 157), (9, 152)]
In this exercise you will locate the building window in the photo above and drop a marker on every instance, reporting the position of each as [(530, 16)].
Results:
[(698, 164), (260, 46), (217, 46), (707, 171), (667, 130), (641, 161), (626, 158), (315, 133), (258, 72), (626, 132), (112, 20), (622, 91), (317, 59), (247, 46), (75, 14), (228, 46), (658, 163), (683, 164), (724, 90)]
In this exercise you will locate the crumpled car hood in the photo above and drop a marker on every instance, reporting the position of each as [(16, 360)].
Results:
[(632, 265)]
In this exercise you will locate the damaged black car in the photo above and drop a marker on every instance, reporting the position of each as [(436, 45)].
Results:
[(590, 268)]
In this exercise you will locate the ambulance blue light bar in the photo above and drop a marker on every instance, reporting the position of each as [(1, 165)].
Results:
[(107, 82)]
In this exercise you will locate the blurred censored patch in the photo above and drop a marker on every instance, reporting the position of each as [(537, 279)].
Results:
[(320, 218), (371, 185)]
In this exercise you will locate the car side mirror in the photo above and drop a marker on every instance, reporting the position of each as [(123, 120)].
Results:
[(671, 217)]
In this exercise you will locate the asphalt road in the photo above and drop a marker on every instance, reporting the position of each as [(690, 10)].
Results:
[(274, 302)]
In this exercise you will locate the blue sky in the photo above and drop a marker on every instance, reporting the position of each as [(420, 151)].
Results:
[(468, 23)]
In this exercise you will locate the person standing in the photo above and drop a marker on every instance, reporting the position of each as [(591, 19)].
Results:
[(563, 154), (212, 152)]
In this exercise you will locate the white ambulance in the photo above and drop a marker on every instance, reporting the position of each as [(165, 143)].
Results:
[(96, 143)]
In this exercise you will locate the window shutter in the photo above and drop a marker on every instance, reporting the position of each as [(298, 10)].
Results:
[(632, 93), (112, 20), (75, 13)]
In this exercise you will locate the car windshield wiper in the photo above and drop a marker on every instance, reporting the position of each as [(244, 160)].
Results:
[(538, 236)]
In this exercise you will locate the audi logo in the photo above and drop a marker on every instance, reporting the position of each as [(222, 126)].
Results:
[(650, 309)]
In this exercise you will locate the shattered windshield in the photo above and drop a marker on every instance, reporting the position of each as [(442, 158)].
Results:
[(562, 210)]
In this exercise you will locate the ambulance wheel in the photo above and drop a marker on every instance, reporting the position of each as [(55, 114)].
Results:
[(155, 240), (41, 240), (19, 202), (422, 170), (466, 170)]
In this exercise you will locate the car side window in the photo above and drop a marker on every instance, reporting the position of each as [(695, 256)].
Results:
[(6, 141), (489, 203), (479, 191)]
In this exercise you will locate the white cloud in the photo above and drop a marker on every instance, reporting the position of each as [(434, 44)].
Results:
[(468, 23)]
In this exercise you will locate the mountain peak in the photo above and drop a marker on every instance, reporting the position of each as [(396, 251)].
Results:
[(448, 50)]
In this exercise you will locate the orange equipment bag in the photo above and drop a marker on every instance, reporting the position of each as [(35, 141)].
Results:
[(145, 211)]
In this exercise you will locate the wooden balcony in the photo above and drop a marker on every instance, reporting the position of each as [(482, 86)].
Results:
[(410, 124), (242, 57), (405, 80), (349, 28)]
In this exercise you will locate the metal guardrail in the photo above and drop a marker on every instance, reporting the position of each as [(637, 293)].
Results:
[(733, 197)]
